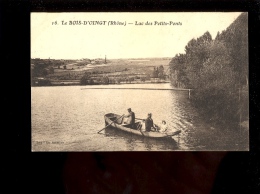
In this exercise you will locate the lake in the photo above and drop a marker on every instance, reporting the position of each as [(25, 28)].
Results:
[(67, 118)]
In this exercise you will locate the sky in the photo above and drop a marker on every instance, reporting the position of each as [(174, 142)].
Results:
[(59, 41)]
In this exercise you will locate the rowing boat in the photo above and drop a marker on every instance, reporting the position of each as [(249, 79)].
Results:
[(117, 122)]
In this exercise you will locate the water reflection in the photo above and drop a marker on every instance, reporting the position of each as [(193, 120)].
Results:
[(133, 141), (147, 144)]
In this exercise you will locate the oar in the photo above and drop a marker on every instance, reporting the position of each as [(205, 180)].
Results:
[(110, 124), (139, 119), (141, 132), (140, 128)]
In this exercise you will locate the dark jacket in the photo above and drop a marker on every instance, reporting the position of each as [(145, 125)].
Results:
[(148, 124), (131, 116)]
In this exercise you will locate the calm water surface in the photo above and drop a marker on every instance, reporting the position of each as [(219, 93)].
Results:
[(67, 118)]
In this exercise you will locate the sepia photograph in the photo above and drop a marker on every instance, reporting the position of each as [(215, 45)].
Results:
[(139, 81)]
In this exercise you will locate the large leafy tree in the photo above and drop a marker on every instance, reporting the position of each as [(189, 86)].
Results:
[(217, 70), (235, 38)]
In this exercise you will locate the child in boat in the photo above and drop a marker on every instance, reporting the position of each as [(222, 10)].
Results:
[(163, 127)]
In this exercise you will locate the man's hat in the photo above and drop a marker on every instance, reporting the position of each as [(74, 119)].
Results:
[(129, 109), (149, 113)]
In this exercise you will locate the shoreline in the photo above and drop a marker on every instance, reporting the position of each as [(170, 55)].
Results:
[(74, 83)]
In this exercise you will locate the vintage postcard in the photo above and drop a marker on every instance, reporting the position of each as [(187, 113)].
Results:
[(139, 81)]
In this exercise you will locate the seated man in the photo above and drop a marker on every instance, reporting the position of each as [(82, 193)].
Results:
[(149, 126), (131, 118)]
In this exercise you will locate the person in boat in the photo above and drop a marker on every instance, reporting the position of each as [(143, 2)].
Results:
[(131, 118), (149, 125), (163, 127)]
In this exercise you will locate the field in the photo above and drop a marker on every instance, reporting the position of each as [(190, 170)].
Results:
[(112, 67)]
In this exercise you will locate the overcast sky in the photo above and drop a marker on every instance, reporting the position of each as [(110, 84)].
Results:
[(117, 41)]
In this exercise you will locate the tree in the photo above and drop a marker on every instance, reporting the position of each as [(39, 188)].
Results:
[(44, 72), (155, 72), (143, 79), (131, 79), (105, 80), (98, 80), (119, 80), (112, 81), (91, 81), (161, 69), (84, 79), (216, 70), (178, 69), (235, 38), (51, 70)]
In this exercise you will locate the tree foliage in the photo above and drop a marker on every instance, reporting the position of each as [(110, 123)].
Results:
[(86, 80), (217, 70), (158, 72), (105, 80)]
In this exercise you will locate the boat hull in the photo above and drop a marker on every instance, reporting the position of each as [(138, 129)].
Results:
[(116, 123)]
